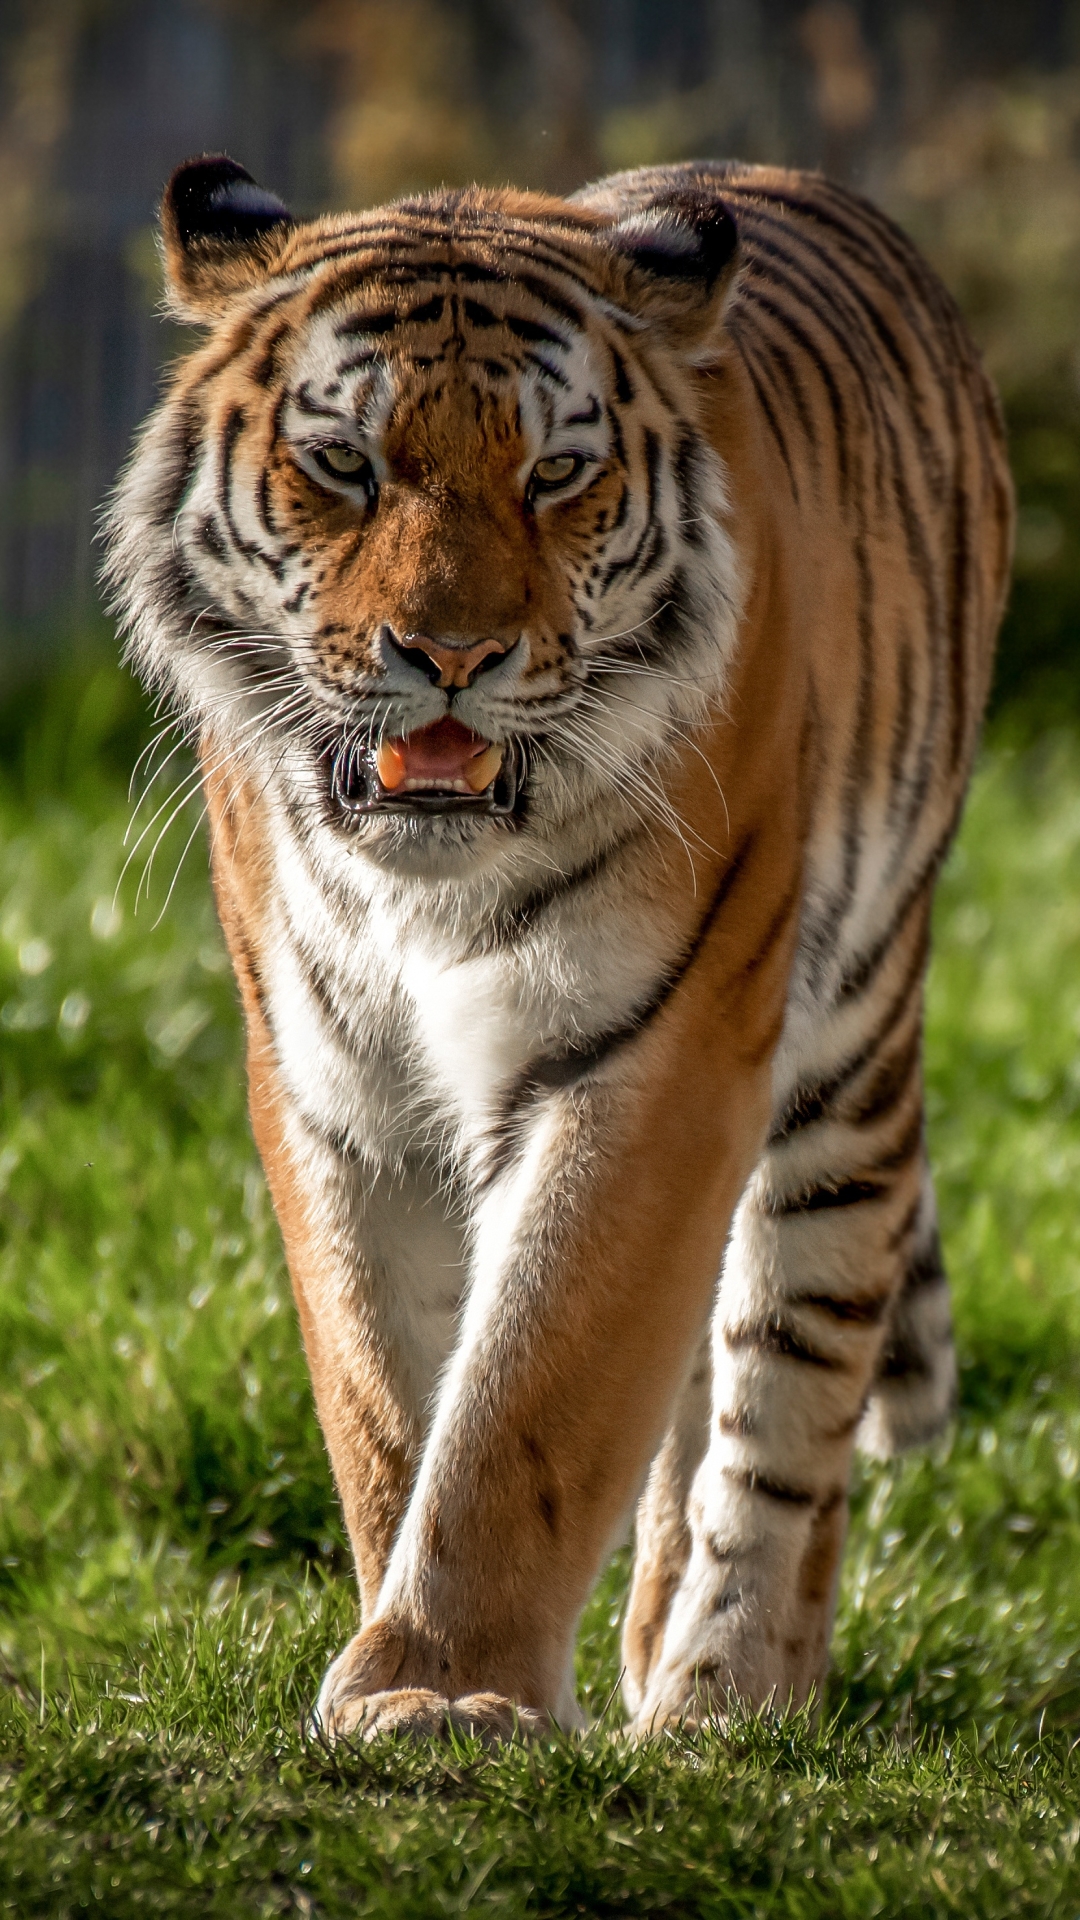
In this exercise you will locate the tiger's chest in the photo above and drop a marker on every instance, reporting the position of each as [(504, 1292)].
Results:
[(399, 1032)]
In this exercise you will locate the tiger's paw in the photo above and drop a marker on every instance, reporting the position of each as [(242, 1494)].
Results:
[(424, 1715), (361, 1697)]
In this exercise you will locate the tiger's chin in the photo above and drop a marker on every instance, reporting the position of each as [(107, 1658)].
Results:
[(422, 836), (437, 810), (536, 802)]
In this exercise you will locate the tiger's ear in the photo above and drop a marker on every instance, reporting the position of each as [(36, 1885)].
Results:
[(681, 254), (222, 234)]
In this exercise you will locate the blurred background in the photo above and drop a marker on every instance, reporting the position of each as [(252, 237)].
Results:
[(961, 117)]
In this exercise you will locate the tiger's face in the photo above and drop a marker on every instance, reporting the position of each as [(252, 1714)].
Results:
[(445, 545)]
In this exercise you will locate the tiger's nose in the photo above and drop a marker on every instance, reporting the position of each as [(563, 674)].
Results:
[(454, 666)]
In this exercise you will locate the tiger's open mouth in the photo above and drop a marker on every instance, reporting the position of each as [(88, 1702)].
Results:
[(441, 768)]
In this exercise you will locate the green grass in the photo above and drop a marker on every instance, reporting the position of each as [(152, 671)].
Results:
[(172, 1566)]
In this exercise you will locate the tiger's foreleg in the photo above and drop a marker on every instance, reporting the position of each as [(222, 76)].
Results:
[(595, 1265), (833, 1237), (573, 1341), (376, 1253)]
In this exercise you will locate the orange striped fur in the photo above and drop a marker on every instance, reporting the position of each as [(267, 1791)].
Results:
[(591, 1106)]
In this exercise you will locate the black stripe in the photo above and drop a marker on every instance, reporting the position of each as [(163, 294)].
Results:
[(519, 918), (184, 451), (832, 1191), (232, 347), (651, 554), (928, 755), (884, 240), (844, 339), (809, 1105), (531, 252), (770, 418), (624, 386), (900, 273), (629, 564), (367, 323), (552, 373), (246, 955), (322, 992), (304, 403), (618, 449), (262, 502), (533, 331), (751, 1481), (864, 1311), (335, 1138), (819, 1199), (686, 467), (264, 369), (555, 301), (771, 1336), (211, 539), (903, 718), (844, 1428), (659, 636), (773, 239), (958, 665), (773, 932), (533, 255), (909, 1143), (861, 972), (427, 313), (888, 1083), (365, 358), (557, 1071), (786, 369), (913, 524), (235, 423)]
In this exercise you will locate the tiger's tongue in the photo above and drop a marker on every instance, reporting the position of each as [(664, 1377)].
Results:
[(442, 755)]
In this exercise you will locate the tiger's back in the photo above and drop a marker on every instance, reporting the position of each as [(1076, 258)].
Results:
[(884, 442), (721, 585), (873, 394)]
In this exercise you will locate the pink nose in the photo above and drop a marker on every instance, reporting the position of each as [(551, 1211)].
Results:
[(456, 664)]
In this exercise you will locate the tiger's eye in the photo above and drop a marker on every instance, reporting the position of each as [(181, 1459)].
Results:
[(346, 462), (556, 471)]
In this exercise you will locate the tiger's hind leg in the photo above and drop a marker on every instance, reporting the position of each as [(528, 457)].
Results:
[(914, 1392), (831, 1324)]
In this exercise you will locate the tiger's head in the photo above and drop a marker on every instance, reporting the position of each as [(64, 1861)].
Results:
[(427, 528)]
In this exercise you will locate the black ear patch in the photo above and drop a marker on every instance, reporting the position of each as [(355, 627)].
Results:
[(687, 237), (214, 198)]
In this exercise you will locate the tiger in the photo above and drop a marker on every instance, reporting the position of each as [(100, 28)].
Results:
[(583, 611)]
